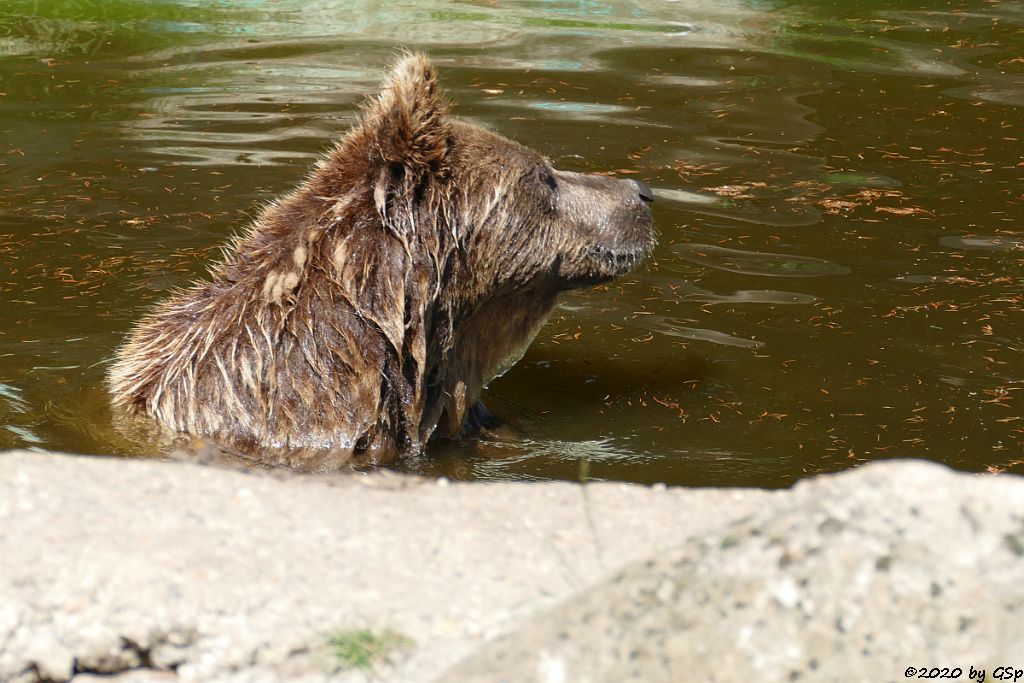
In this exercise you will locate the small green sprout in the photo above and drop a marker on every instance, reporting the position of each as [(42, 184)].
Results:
[(362, 648)]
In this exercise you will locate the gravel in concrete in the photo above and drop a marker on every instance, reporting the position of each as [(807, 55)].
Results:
[(165, 571), (895, 571)]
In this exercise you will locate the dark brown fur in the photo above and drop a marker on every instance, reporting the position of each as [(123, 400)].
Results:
[(363, 313)]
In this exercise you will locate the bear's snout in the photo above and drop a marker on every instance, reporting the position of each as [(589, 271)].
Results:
[(612, 229)]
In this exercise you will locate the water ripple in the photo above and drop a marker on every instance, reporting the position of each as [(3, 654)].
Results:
[(757, 263)]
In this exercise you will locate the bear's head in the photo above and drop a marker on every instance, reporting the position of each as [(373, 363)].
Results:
[(516, 220)]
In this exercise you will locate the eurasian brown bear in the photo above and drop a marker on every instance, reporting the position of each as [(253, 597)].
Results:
[(363, 313)]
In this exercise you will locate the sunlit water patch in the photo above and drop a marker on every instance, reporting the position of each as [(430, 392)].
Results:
[(757, 263), (983, 242)]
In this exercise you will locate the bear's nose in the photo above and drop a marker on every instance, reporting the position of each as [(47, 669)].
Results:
[(646, 193)]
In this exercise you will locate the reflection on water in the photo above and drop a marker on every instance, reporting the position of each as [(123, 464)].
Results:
[(757, 263), (983, 242), (659, 324), (869, 154), (732, 205)]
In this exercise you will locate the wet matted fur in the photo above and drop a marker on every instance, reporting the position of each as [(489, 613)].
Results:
[(364, 312)]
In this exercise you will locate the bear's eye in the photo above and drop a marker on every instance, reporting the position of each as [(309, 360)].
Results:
[(546, 191), (548, 178)]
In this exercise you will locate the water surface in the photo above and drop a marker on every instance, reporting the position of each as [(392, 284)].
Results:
[(841, 268)]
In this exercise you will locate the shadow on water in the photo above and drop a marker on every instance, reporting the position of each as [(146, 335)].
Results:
[(840, 273)]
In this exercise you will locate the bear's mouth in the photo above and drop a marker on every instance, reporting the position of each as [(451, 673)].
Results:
[(604, 263), (618, 261)]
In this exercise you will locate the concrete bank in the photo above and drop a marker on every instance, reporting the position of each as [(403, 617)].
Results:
[(146, 571)]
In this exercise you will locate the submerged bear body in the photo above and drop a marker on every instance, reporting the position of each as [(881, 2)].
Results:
[(363, 313)]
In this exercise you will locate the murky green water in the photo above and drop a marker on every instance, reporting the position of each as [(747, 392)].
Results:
[(841, 273)]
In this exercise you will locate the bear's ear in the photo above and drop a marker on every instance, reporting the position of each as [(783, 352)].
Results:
[(406, 122)]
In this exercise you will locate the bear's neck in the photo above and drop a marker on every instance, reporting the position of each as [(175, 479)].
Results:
[(488, 344)]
